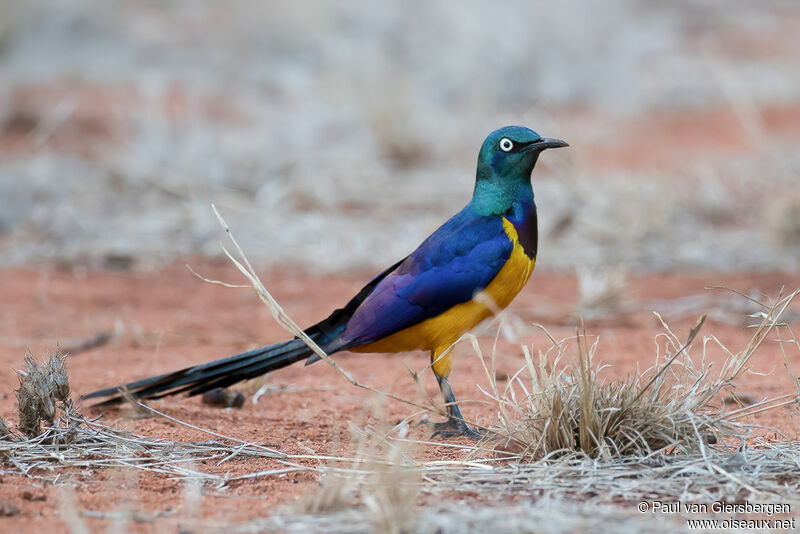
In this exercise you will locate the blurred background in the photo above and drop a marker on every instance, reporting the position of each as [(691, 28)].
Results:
[(336, 135)]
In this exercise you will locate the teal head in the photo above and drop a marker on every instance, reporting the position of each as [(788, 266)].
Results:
[(505, 164)]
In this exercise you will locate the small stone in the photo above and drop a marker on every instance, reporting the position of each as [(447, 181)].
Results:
[(224, 398)]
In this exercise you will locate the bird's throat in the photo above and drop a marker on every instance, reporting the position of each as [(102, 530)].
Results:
[(498, 197)]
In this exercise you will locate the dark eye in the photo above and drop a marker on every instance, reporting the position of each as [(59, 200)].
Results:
[(506, 144)]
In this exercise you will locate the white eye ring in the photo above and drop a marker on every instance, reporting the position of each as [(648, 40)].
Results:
[(506, 145)]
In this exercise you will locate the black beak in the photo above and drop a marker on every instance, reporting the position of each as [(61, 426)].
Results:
[(547, 142)]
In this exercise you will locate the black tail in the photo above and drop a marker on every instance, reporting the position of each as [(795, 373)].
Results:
[(217, 374), (227, 371)]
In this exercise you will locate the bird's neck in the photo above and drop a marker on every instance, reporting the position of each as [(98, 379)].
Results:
[(499, 197)]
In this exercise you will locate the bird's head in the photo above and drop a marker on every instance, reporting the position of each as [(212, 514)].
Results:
[(505, 164)]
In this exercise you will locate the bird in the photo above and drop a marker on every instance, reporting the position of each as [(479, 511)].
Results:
[(469, 268)]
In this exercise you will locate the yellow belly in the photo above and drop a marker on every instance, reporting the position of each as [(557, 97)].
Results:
[(441, 331)]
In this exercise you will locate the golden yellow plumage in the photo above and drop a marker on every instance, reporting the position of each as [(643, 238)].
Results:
[(438, 333), (425, 301)]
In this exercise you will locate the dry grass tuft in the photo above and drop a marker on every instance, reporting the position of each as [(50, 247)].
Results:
[(557, 407), (391, 490), (378, 477), (53, 435), (336, 491), (5, 432), (43, 388)]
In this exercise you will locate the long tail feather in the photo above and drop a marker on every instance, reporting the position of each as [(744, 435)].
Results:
[(218, 373), (227, 371)]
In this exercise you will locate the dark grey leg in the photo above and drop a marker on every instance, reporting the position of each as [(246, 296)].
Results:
[(455, 425)]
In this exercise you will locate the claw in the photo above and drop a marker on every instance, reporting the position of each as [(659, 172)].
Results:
[(453, 428)]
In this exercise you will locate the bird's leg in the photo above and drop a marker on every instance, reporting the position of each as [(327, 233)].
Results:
[(455, 425)]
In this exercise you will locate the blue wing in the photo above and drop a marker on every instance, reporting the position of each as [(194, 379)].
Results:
[(450, 267)]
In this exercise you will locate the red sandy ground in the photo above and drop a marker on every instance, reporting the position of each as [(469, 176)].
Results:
[(168, 319)]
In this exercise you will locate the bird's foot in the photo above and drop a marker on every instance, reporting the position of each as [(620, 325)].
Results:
[(453, 428)]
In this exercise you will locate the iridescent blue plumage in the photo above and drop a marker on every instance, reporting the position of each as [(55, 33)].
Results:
[(425, 301), (448, 268), (460, 258)]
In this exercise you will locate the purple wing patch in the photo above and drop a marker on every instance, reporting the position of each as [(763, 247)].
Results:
[(448, 268)]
